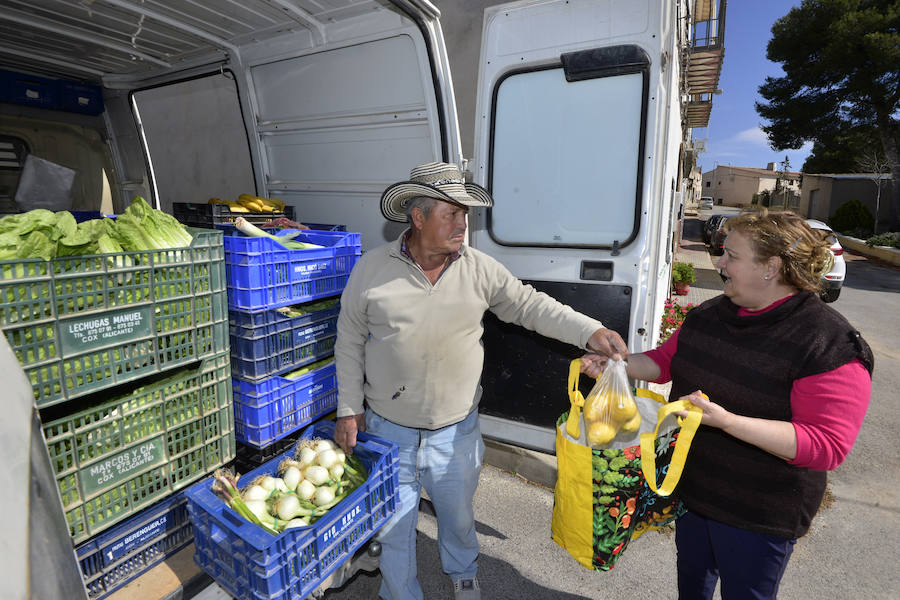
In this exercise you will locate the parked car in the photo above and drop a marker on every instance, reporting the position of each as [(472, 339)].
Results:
[(706, 203), (710, 225), (833, 280), (717, 237)]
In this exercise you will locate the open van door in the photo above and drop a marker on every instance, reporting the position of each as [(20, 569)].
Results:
[(574, 136)]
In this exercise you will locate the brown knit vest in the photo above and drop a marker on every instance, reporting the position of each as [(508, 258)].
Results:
[(748, 366)]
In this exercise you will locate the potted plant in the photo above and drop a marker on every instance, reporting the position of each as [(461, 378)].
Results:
[(682, 277)]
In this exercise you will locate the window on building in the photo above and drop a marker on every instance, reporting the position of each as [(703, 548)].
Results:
[(709, 184)]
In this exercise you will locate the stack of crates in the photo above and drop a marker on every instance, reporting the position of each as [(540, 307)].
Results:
[(282, 309), (128, 358)]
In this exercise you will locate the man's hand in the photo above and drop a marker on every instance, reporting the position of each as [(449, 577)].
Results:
[(345, 430), (608, 342)]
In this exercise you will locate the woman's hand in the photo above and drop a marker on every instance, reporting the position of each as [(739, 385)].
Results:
[(637, 366), (713, 414), (775, 437), (594, 364)]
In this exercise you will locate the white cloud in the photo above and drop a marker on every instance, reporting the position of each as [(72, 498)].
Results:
[(752, 136)]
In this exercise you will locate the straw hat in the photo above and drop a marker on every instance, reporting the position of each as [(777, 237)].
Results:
[(432, 180)]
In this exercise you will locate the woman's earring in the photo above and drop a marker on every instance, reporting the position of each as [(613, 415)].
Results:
[(766, 277)]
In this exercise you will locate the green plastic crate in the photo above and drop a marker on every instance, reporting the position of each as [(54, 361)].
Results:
[(84, 323), (115, 458)]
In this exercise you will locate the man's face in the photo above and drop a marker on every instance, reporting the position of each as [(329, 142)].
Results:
[(445, 228)]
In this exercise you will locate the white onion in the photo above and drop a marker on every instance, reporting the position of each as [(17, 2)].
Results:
[(254, 492), (307, 456), (287, 507), (305, 489), (316, 475), (326, 458), (342, 458), (324, 445), (280, 485), (292, 477), (267, 482), (298, 522), (260, 509), (336, 470), (324, 495)]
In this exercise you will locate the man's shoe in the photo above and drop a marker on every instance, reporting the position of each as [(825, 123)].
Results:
[(466, 589)]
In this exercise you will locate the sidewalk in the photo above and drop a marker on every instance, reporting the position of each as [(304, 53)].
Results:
[(692, 250)]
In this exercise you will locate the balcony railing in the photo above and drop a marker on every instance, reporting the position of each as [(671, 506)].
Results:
[(704, 60)]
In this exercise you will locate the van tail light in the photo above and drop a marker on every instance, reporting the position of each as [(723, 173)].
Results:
[(837, 251)]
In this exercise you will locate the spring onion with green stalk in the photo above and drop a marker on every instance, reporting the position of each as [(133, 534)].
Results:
[(307, 486), (225, 486), (248, 228)]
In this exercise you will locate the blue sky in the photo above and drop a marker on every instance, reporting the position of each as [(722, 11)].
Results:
[(734, 136)]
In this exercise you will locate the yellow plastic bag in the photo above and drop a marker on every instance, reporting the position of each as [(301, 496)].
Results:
[(605, 497)]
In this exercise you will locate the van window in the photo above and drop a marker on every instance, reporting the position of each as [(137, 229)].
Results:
[(195, 139), (565, 159)]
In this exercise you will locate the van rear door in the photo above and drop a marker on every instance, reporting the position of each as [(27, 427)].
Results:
[(337, 123), (563, 127)]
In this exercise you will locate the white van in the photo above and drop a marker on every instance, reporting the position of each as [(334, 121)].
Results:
[(581, 135), (578, 136)]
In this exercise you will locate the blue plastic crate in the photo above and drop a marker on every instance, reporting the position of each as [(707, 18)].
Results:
[(80, 97), (269, 343), (262, 274), (118, 555), (252, 564), (230, 229), (274, 408), (89, 215), (29, 90), (282, 361), (326, 227)]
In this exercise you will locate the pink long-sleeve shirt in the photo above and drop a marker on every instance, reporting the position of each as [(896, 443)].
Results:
[(827, 409)]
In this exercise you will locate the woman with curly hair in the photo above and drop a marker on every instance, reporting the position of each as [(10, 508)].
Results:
[(784, 383)]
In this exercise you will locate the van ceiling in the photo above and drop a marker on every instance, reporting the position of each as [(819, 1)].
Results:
[(89, 40)]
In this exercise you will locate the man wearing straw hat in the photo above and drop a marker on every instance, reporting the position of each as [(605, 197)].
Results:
[(409, 361)]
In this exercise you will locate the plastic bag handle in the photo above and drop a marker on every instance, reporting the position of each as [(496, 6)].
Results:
[(689, 425), (576, 399)]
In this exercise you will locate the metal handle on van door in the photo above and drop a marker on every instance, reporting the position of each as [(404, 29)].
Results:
[(595, 270)]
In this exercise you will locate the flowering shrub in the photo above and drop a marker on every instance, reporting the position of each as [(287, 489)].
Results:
[(672, 318)]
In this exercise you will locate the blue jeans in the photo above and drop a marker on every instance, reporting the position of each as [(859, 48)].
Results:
[(750, 564), (446, 462)]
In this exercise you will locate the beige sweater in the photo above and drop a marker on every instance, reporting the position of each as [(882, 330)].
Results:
[(413, 350)]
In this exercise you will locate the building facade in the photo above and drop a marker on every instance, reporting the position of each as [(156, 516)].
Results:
[(822, 194), (741, 186)]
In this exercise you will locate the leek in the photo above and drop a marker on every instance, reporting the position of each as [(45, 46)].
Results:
[(248, 228)]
